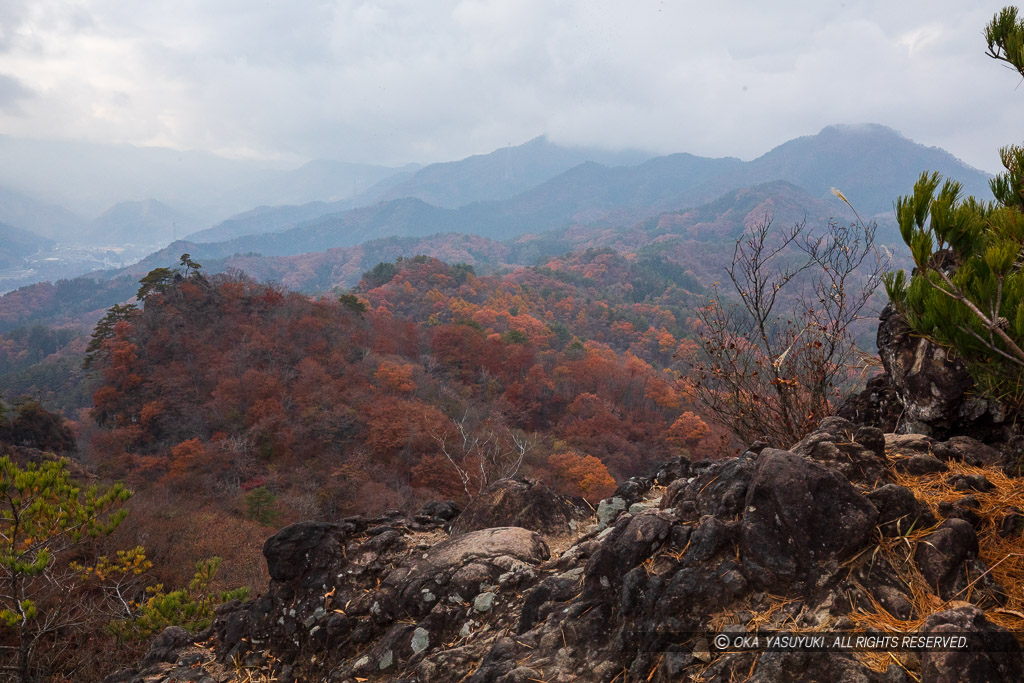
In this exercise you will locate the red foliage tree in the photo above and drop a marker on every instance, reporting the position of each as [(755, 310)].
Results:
[(581, 475), (687, 431)]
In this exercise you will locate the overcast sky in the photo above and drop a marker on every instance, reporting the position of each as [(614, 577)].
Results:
[(392, 81)]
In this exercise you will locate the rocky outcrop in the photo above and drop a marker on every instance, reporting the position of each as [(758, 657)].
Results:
[(793, 541), (522, 503), (925, 390), (857, 452)]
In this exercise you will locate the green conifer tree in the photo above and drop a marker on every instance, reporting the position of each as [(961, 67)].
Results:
[(44, 519), (967, 292)]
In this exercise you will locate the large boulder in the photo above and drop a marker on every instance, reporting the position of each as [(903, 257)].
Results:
[(800, 518), (522, 544), (517, 503), (305, 552)]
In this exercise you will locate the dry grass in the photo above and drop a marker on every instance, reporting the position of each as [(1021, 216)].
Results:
[(1003, 556)]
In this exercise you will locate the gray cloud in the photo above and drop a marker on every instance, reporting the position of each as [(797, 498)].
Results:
[(401, 80), (12, 92)]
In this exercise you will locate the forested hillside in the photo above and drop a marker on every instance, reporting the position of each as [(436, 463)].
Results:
[(218, 391)]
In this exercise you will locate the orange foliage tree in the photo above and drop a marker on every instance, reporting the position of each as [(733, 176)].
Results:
[(581, 475), (396, 377), (687, 431)]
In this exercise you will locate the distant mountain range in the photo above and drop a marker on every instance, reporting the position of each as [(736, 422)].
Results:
[(499, 175), (871, 164), (539, 190), (682, 235), (698, 241)]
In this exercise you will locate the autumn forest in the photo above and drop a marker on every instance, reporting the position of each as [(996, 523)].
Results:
[(193, 406)]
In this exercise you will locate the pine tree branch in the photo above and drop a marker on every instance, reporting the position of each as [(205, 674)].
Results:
[(992, 325), (989, 345)]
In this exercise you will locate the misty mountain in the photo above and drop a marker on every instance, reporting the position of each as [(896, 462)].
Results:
[(719, 222), (88, 178), (588, 191), (42, 218), (17, 244), (266, 219), (407, 217), (592, 204), (148, 222), (699, 239), (871, 164), (327, 181), (501, 174), (591, 191)]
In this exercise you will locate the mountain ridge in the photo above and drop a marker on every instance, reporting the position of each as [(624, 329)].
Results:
[(871, 164)]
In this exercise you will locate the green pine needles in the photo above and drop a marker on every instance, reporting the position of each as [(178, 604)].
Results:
[(1005, 38), (191, 608), (45, 518), (967, 291)]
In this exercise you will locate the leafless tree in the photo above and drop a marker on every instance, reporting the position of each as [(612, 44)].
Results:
[(775, 354), (483, 452)]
